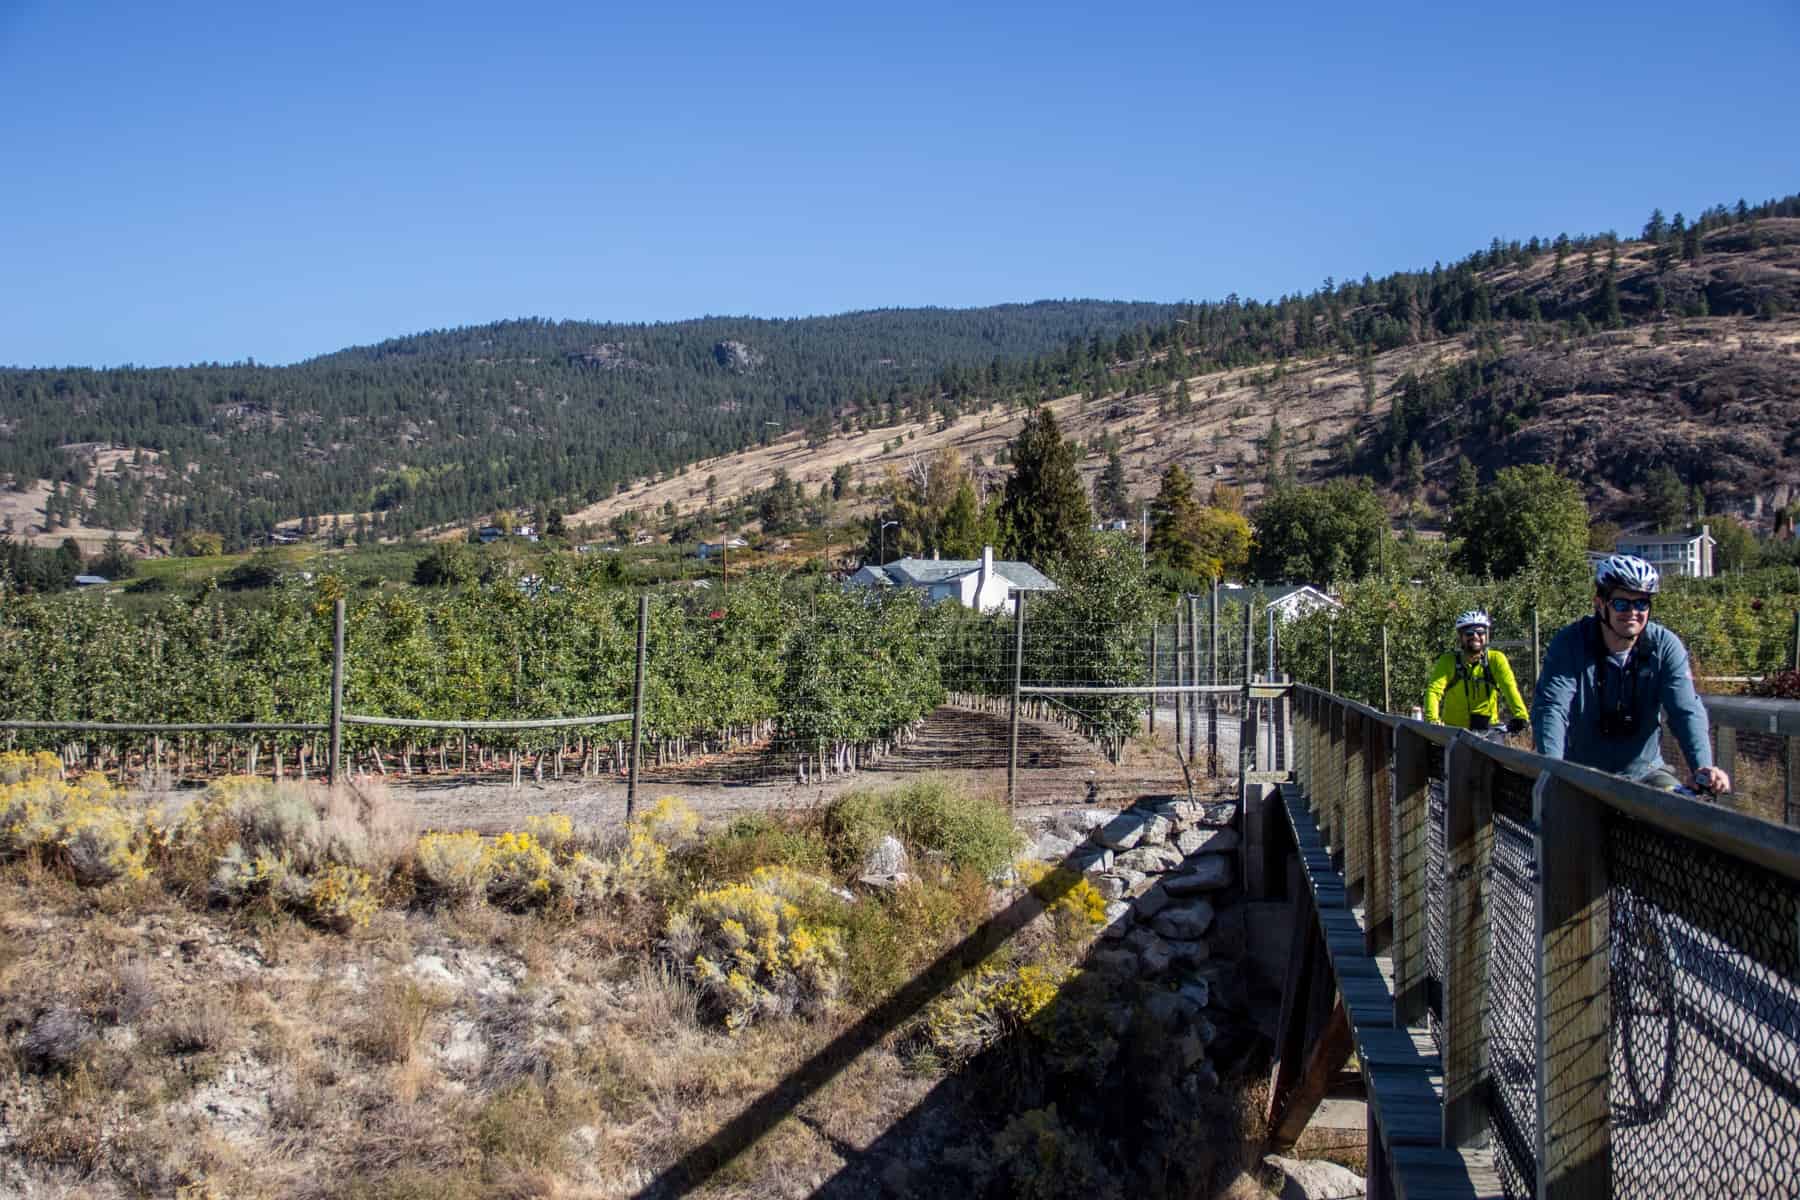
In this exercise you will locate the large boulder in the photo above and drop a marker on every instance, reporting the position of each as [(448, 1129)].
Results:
[(1188, 952), (1206, 841), (1051, 848), (886, 857), (1151, 859), (1091, 862), (1123, 831), (1315, 1179), (1152, 902), (1208, 873), (1153, 953), (1187, 921)]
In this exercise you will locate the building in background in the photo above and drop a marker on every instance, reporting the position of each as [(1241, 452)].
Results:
[(1674, 553), (981, 583)]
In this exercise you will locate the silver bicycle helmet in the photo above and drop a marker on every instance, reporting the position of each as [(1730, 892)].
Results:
[(1472, 618), (1626, 571)]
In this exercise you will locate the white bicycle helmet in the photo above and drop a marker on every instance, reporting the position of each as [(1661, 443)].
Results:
[(1471, 618), (1626, 571)]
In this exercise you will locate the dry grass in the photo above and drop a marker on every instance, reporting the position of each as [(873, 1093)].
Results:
[(156, 1044)]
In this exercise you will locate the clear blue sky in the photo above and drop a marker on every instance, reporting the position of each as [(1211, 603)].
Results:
[(208, 182)]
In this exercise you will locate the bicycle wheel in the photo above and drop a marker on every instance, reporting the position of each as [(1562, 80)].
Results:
[(1644, 1008)]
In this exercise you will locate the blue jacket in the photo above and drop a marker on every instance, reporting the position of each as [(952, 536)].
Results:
[(1578, 682)]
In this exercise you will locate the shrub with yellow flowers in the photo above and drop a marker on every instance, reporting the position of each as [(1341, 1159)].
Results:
[(1076, 907), (1063, 1009), (551, 862), (755, 950), (85, 825), (451, 868)]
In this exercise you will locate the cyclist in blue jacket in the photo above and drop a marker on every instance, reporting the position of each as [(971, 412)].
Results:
[(1606, 676)]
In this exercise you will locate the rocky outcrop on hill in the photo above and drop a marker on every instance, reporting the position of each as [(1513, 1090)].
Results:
[(737, 357)]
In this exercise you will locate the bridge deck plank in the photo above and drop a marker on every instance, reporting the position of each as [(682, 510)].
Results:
[(1422, 1173), (1401, 1067)]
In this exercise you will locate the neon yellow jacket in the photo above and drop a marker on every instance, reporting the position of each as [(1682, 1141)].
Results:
[(1459, 689)]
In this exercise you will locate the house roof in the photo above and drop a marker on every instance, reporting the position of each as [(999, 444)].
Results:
[(1660, 539), (1270, 594), (920, 572)]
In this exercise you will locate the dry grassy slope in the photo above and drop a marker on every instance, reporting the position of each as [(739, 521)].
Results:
[(1315, 401), (1718, 398)]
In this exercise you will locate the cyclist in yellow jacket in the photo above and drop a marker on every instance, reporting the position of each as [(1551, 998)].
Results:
[(1469, 683)]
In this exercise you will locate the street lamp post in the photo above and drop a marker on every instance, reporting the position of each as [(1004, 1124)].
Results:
[(884, 529)]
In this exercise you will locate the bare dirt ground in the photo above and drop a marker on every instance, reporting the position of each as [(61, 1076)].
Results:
[(1058, 768)]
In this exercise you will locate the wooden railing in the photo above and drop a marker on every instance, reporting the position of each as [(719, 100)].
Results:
[(1600, 876)]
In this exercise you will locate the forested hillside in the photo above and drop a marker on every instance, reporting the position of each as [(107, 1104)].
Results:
[(449, 425), (1668, 357)]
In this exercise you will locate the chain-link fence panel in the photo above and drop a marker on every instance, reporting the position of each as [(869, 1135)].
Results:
[(1511, 1019), (1705, 959)]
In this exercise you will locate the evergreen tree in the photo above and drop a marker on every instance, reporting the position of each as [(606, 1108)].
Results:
[(115, 562), (1044, 509), (1666, 499), (1173, 517), (1111, 498), (1415, 469), (1606, 304)]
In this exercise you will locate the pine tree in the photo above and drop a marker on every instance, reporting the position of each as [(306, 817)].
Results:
[(1044, 509), (1111, 498), (1173, 515)]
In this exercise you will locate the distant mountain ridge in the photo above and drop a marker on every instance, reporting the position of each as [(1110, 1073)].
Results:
[(445, 425), (1608, 357)]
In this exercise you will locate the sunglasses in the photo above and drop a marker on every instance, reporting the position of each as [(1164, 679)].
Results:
[(1622, 605)]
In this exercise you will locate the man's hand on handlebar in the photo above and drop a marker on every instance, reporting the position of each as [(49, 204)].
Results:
[(1711, 779), (1518, 725)]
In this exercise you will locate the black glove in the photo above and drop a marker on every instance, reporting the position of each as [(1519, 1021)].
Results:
[(1517, 725)]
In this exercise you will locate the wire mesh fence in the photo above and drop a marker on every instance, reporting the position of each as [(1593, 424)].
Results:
[(765, 692), (1705, 962), (1511, 1020)]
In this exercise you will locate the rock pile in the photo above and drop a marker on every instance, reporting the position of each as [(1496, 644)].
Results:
[(1174, 916)]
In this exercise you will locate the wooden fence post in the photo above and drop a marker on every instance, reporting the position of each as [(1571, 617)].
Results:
[(1574, 1063), (637, 705), (1468, 852), (1387, 675), (1331, 656), (1411, 822), (1378, 895), (335, 766), (1355, 810), (1180, 679), (1012, 745), (1193, 676), (1154, 627), (1537, 659)]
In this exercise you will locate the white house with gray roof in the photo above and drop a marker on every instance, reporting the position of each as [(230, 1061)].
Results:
[(981, 583)]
